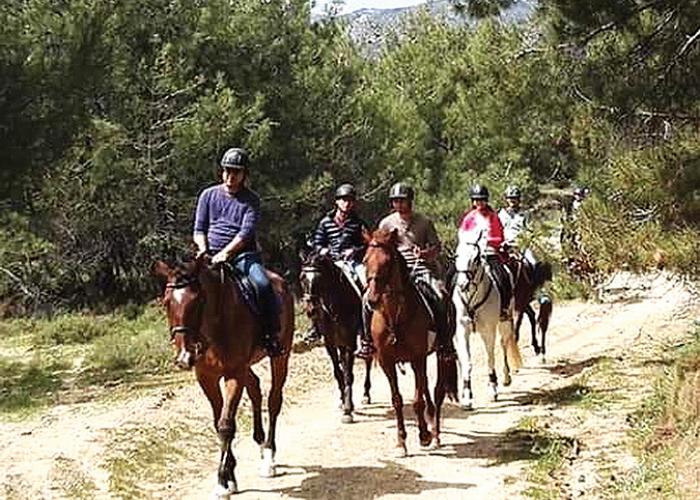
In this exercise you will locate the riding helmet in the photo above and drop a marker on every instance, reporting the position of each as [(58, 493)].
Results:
[(401, 190), (345, 191), (479, 192), (235, 158), (513, 192)]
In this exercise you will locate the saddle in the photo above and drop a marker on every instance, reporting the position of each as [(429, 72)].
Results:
[(245, 288)]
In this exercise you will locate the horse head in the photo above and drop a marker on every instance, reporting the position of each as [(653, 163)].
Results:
[(184, 299), (469, 259), (315, 270), (380, 260)]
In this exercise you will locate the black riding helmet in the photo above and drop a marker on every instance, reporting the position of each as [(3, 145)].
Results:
[(235, 158), (479, 192), (345, 191), (401, 190), (513, 192)]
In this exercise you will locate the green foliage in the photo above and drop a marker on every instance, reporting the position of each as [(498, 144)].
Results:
[(113, 116), (24, 386)]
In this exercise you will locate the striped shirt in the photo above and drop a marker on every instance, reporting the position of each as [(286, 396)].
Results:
[(340, 237)]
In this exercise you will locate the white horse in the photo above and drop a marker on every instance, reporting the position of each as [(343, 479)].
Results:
[(477, 303)]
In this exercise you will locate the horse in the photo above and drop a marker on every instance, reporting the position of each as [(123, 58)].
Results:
[(215, 332), (530, 277), (477, 301), (334, 305), (400, 327)]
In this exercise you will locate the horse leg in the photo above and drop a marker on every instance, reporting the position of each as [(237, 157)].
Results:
[(543, 321), (389, 367), (518, 323), (424, 436), (488, 335), (337, 370), (233, 389), (347, 359), (274, 405), (368, 385), (505, 330), (210, 386), (255, 395), (533, 332), (465, 395)]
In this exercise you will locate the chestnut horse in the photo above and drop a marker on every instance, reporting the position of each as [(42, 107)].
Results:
[(215, 332), (400, 327), (333, 304)]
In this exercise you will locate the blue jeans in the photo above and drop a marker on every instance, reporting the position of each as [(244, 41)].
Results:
[(250, 264)]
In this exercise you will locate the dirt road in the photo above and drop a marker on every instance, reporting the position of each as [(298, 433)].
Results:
[(157, 442)]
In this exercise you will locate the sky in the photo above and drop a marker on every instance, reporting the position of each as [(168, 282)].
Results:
[(351, 5)]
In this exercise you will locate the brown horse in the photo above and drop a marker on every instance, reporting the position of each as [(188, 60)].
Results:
[(529, 278), (400, 332), (332, 303), (215, 332)]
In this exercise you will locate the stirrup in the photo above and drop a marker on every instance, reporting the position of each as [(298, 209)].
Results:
[(365, 351)]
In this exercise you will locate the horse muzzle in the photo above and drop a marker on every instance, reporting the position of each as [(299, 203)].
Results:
[(184, 360)]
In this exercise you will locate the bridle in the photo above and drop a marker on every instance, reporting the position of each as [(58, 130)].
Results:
[(389, 290), (199, 346), (474, 279)]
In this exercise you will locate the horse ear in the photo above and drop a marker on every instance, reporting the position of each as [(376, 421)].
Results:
[(395, 235), (367, 236)]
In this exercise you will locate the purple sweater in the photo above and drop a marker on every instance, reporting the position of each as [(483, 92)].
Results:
[(222, 217)]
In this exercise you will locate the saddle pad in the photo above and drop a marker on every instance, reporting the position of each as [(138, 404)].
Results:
[(245, 288)]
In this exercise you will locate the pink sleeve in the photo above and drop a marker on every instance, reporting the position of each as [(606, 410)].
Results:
[(495, 236), (468, 221)]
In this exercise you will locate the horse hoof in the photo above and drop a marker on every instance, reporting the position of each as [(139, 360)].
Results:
[(433, 445), (366, 400), (466, 405), (347, 418), (494, 397), (507, 381), (400, 452), (220, 491), (543, 360), (267, 467)]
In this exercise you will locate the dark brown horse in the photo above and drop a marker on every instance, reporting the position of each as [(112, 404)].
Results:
[(529, 278), (400, 331), (215, 332), (332, 303)]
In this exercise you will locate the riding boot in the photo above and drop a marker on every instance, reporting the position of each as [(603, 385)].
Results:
[(444, 347), (271, 339), (313, 334), (366, 348), (503, 285)]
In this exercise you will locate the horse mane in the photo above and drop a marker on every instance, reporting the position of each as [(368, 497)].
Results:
[(386, 239)]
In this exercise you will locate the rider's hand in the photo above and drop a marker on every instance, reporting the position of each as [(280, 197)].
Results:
[(348, 253), (219, 258), (417, 251), (323, 252), (200, 252)]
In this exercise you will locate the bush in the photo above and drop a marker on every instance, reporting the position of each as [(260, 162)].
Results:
[(73, 329)]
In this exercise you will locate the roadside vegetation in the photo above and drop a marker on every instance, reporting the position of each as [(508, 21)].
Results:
[(48, 361)]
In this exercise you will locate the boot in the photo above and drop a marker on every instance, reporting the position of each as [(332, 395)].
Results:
[(272, 345), (270, 339), (313, 335), (366, 349)]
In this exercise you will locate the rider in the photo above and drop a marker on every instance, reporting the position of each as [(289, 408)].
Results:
[(513, 218), (225, 227), (482, 219), (419, 244), (340, 235)]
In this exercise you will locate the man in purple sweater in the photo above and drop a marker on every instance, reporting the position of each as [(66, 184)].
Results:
[(224, 227)]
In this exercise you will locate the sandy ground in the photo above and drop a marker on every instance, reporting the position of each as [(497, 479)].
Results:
[(64, 453)]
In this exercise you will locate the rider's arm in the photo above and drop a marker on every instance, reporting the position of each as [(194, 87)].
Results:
[(201, 223), (432, 250), (320, 238)]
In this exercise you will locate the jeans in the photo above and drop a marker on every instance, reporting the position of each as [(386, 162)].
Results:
[(250, 264)]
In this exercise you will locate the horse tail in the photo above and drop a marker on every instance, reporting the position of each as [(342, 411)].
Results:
[(510, 345), (447, 376), (542, 274)]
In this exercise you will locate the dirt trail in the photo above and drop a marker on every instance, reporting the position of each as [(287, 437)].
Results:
[(62, 454)]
